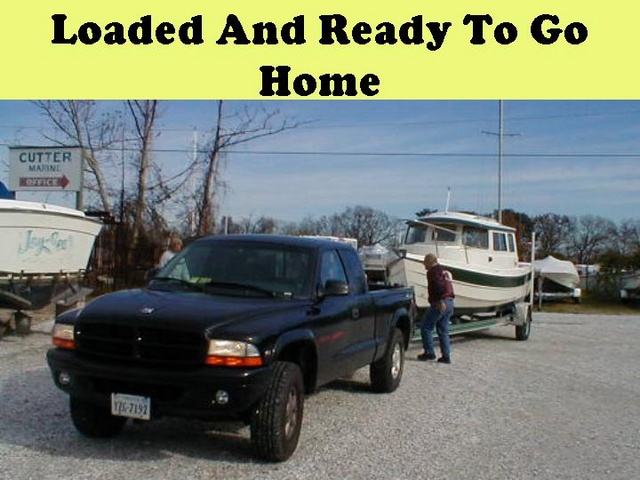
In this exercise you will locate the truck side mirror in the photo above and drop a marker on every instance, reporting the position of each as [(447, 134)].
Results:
[(334, 288)]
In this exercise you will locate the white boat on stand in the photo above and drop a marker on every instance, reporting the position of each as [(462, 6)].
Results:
[(630, 287), (489, 281), (44, 254), (556, 279)]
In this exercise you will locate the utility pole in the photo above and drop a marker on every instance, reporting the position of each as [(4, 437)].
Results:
[(501, 136), (500, 154)]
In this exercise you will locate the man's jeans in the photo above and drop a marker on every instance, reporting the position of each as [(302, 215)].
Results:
[(434, 318)]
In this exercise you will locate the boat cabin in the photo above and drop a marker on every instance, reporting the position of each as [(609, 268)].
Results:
[(463, 239)]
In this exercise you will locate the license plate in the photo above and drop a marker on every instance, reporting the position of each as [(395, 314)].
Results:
[(132, 406)]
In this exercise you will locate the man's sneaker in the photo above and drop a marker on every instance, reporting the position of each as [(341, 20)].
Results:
[(444, 360), (426, 356)]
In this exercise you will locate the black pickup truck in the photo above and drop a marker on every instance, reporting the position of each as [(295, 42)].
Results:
[(233, 327)]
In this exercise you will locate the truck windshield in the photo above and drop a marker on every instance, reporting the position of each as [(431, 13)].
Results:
[(250, 268)]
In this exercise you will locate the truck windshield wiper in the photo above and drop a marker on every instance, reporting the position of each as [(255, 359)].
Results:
[(186, 283), (241, 286)]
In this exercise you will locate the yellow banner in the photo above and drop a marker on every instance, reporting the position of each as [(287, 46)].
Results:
[(193, 49)]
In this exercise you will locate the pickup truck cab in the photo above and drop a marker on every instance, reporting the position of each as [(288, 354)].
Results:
[(233, 327)]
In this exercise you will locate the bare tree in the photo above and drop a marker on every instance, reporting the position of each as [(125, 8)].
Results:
[(144, 114), (628, 237), (367, 225), (247, 126), (552, 233), (77, 122), (249, 225), (590, 236)]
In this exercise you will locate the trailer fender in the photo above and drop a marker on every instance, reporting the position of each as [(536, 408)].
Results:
[(521, 314)]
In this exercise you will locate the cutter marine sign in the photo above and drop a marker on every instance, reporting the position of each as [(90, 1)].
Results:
[(45, 168)]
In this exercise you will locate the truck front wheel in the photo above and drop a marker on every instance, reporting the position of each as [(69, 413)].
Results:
[(93, 421), (277, 421), (386, 373)]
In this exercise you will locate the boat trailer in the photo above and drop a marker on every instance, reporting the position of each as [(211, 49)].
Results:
[(22, 293), (518, 315)]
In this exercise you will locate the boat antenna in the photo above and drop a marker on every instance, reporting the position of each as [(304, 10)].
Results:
[(446, 207)]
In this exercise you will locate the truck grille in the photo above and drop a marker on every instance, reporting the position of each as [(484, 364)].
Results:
[(141, 344)]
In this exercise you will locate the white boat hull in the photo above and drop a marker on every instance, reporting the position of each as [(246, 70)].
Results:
[(44, 239), (475, 290), (564, 280), (556, 279)]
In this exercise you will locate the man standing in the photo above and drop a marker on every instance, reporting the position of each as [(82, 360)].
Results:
[(438, 315), (175, 245)]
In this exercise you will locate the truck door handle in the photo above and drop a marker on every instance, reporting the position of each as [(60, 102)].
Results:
[(355, 313)]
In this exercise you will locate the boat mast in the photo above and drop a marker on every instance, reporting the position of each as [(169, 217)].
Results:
[(446, 208)]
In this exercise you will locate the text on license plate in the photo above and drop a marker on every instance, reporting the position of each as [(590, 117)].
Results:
[(132, 406)]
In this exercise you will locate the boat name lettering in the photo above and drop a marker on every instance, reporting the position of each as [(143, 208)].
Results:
[(37, 244)]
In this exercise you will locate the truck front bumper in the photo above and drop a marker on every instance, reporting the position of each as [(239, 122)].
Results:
[(193, 393)]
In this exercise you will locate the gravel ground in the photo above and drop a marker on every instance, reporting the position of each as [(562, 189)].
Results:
[(563, 405)]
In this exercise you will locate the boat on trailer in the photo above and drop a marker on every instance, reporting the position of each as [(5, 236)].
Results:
[(481, 254), (556, 279), (44, 254), (630, 287)]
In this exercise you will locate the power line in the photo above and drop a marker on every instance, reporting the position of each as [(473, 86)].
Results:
[(396, 124), (330, 153)]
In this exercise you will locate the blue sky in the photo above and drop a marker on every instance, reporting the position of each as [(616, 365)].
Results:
[(567, 157)]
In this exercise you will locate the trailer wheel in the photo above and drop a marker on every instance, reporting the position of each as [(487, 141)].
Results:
[(385, 374), (277, 421), (523, 331), (93, 421)]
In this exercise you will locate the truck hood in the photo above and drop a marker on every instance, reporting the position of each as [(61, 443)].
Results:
[(193, 311)]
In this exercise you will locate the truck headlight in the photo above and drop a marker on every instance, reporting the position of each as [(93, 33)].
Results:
[(63, 337), (231, 353)]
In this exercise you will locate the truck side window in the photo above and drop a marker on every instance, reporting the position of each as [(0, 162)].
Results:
[(355, 272), (331, 267)]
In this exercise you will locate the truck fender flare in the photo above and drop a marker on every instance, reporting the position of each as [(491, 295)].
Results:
[(402, 319), (308, 362), (292, 337)]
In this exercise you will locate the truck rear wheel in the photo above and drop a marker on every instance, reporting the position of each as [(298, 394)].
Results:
[(93, 421), (277, 421), (386, 373)]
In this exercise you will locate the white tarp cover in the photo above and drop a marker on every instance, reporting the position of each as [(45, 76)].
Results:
[(551, 265), (374, 256)]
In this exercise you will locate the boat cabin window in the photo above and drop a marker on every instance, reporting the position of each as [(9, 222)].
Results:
[(475, 237), (499, 242), (445, 234), (416, 233), (512, 243)]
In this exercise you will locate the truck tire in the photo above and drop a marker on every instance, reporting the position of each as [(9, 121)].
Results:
[(386, 373), (93, 421), (523, 331), (277, 421)]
